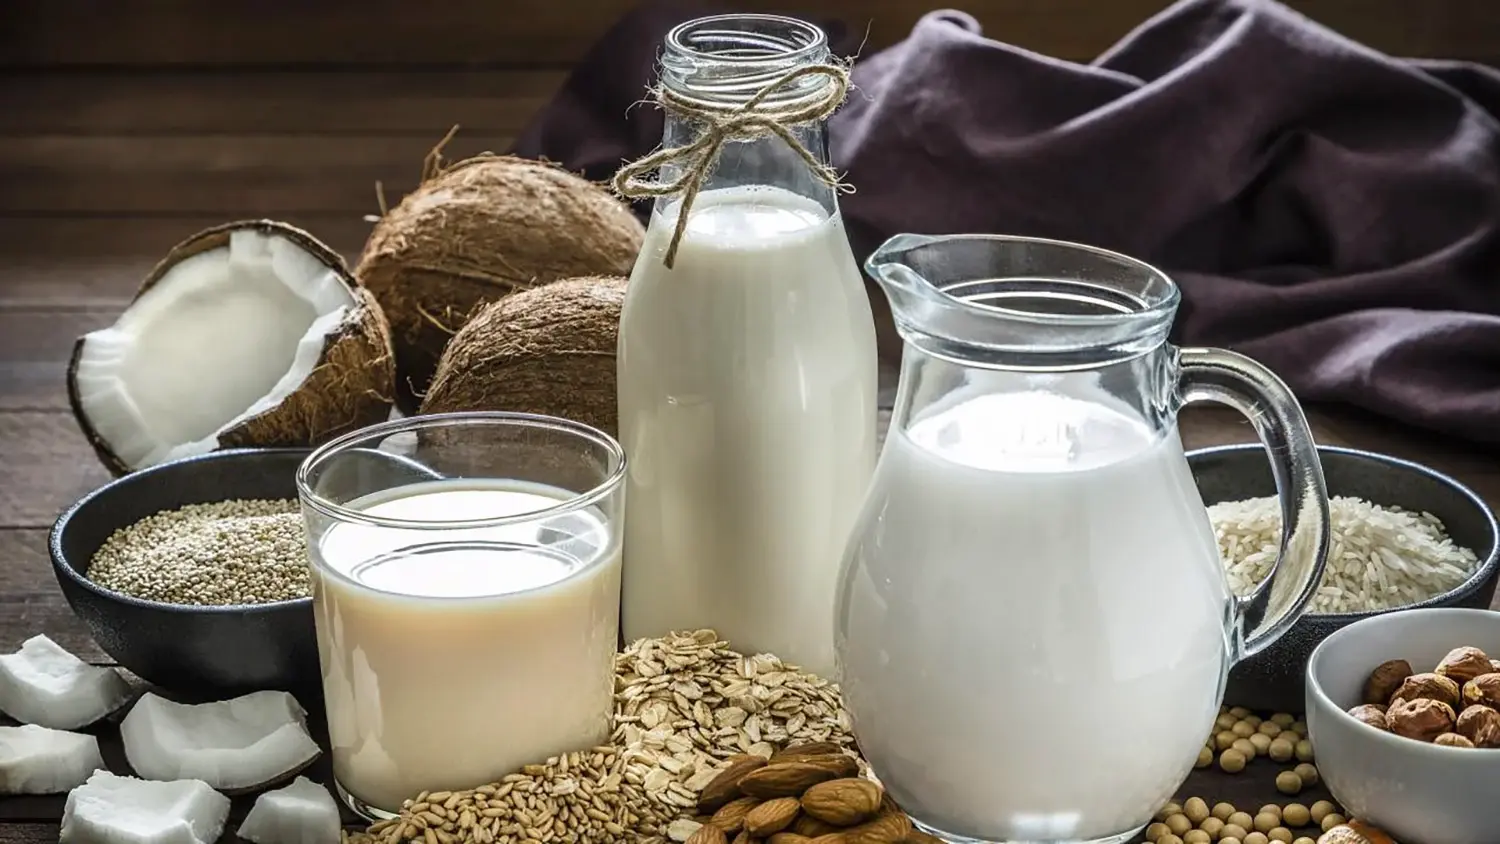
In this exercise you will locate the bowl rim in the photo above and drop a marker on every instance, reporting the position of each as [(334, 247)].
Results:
[(1395, 743), (62, 565), (1482, 572)]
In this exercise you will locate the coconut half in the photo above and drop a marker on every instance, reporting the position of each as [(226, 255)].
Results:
[(301, 813), (235, 745), (110, 809), (36, 760), (248, 334), (477, 231), (45, 685)]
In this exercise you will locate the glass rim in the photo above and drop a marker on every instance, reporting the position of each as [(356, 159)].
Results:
[(487, 418), (818, 41)]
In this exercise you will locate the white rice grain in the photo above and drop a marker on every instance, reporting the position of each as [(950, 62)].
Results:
[(1378, 557)]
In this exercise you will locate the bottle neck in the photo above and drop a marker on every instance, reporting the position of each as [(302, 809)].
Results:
[(765, 161), (720, 66)]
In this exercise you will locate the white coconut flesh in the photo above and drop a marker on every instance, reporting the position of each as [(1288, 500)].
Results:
[(36, 760), (45, 685), (111, 809), (222, 336), (301, 813), (233, 745)]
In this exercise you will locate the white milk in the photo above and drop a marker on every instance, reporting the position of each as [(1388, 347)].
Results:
[(453, 658), (747, 378), (1034, 643)]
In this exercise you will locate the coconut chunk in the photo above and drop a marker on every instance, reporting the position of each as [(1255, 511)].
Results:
[(110, 809), (247, 334), (301, 813), (45, 685), (36, 760), (233, 745)]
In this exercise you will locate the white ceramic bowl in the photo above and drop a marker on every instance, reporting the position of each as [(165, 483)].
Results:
[(1419, 793)]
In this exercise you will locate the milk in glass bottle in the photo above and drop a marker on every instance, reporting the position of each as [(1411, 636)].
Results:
[(747, 362)]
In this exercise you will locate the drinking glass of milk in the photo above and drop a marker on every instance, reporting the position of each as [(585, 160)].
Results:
[(466, 577), (1034, 567)]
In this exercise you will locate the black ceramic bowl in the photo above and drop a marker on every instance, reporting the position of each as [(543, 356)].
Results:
[(216, 651), (201, 651), (1274, 678)]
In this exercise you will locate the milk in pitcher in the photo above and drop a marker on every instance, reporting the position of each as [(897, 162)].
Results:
[(1058, 543)]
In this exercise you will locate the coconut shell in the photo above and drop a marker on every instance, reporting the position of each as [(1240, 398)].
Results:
[(475, 232), (550, 351), (351, 387)]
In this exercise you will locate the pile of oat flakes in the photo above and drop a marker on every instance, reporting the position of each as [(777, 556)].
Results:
[(683, 704)]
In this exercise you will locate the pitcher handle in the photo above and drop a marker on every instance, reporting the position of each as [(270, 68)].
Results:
[(1255, 391)]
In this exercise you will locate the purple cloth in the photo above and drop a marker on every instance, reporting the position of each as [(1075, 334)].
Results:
[(1329, 210)]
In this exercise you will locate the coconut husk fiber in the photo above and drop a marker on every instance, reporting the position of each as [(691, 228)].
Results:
[(475, 232), (550, 351)]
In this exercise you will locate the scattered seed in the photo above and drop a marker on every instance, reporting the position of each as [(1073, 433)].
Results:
[(1287, 782)]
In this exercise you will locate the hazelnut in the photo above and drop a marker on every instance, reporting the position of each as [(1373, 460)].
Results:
[(1354, 832), (1422, 719), (1370, 713), (1464, 664), (1481, 725), (1427, 687), (1384, 680), (1452, 740), (1484, 689), (1495, 665)]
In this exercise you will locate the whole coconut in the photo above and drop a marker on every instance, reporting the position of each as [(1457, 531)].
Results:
[(550, 350), (475, 232)]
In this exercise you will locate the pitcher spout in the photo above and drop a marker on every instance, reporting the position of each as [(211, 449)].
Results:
[(891, 267), (974, 295)]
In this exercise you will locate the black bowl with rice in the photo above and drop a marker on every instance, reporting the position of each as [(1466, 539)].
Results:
[(1403, 536)]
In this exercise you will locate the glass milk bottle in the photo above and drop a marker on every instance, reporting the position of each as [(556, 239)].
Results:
[(747, 363)]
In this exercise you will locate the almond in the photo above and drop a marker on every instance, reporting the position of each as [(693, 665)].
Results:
[(708, 834), (772, 816), (917, 836), (891, 826), (731, 816), (802, 751), (811, 827), (840, 764), (788, 838), (742, 838), (830, 838), (843, 802), (782, 779), (726, 786)]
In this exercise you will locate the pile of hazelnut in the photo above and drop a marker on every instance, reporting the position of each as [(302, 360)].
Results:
[(1457, 704)]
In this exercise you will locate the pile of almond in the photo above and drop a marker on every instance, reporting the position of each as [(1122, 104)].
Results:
[(806, 793)]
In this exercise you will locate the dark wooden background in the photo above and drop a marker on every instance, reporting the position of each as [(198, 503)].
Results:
[(126, 126)]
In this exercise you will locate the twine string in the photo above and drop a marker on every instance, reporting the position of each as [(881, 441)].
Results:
[(751, 120)]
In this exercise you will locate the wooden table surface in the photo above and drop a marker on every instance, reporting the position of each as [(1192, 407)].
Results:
[(129, 128)]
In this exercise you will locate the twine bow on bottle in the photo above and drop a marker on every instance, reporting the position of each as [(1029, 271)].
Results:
[(753, 119)]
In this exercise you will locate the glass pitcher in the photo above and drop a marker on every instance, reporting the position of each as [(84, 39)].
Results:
[(1033, 625)]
